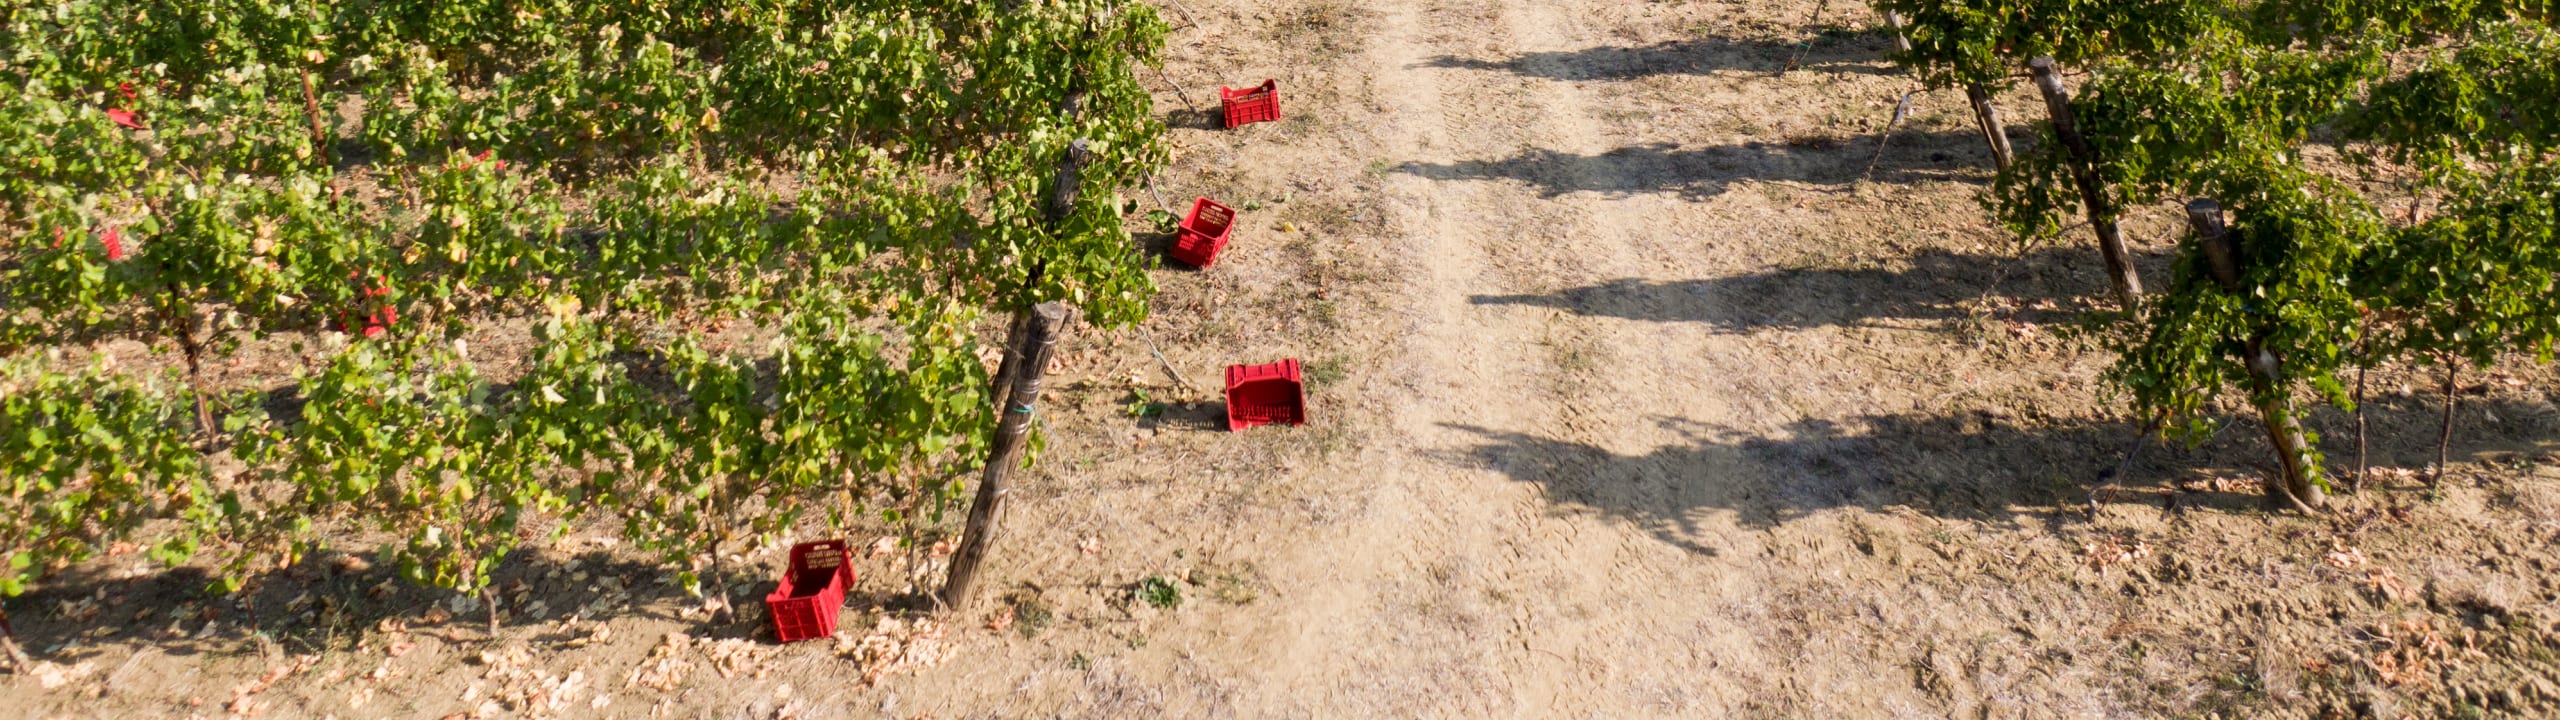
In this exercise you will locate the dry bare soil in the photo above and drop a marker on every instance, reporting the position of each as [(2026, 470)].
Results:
[(1637, 392)]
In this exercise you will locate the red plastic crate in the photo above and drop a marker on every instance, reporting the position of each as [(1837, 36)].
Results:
[(1204, 233), (1265, 394), (812, 592), (373, 314), (1252, 104)]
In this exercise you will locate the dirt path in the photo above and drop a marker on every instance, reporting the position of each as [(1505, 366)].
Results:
[(1502, 598), (1638, 393)]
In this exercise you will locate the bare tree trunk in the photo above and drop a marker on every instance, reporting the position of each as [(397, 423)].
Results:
[(2093, 194), (2297, 486), (1993, 133), (1048, 322), (194, 352)]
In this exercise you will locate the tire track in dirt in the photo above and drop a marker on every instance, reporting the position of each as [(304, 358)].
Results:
[(1611, 378), (1552, 516), (1502, 393), (1406, 528)]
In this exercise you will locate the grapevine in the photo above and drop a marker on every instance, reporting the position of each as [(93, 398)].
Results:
[(2310, 275), (378, 189)]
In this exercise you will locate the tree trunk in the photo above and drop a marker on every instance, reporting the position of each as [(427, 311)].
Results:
[(2362, 470), (2444, 435), (9, 644), (181, 326), (1048, 322), (1993, 133), (2297, 485), (1030, 342), (1063, 194), (489, 602), (1003, 380), (1988, 117), (319, 132), (2093, 195), (1901, 42)]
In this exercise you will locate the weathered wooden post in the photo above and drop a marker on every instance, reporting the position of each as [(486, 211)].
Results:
[(1030, 341), (1993, 133), (2297, 484), (1048, 322), (2093, 195)]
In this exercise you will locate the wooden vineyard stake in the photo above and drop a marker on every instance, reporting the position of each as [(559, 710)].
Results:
[(1013, 430), (2295, 486), (1993, 133), (1984, 114), (2093, 192)]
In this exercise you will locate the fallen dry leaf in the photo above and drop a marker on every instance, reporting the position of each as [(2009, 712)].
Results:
[(507, 659), (2388, 584), (350, 564), (1001, 619), (2105, 551), (603, 633), (2406, 653), (666, 667), (735, 655), (894, 645), (54, 675)]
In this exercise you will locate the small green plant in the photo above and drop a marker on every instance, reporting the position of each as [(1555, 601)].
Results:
[(1163, 221), (1326, 372), (1143, 406), (1031, 615), (1160, 592), (1079, 661), (1233, 589)]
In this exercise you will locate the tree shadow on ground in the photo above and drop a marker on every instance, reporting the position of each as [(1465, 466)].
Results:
[(1983, 466), (1705, 172), (1213, 117), (1935, 285), (1836, 50), (1159, 245), (329, 602)]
